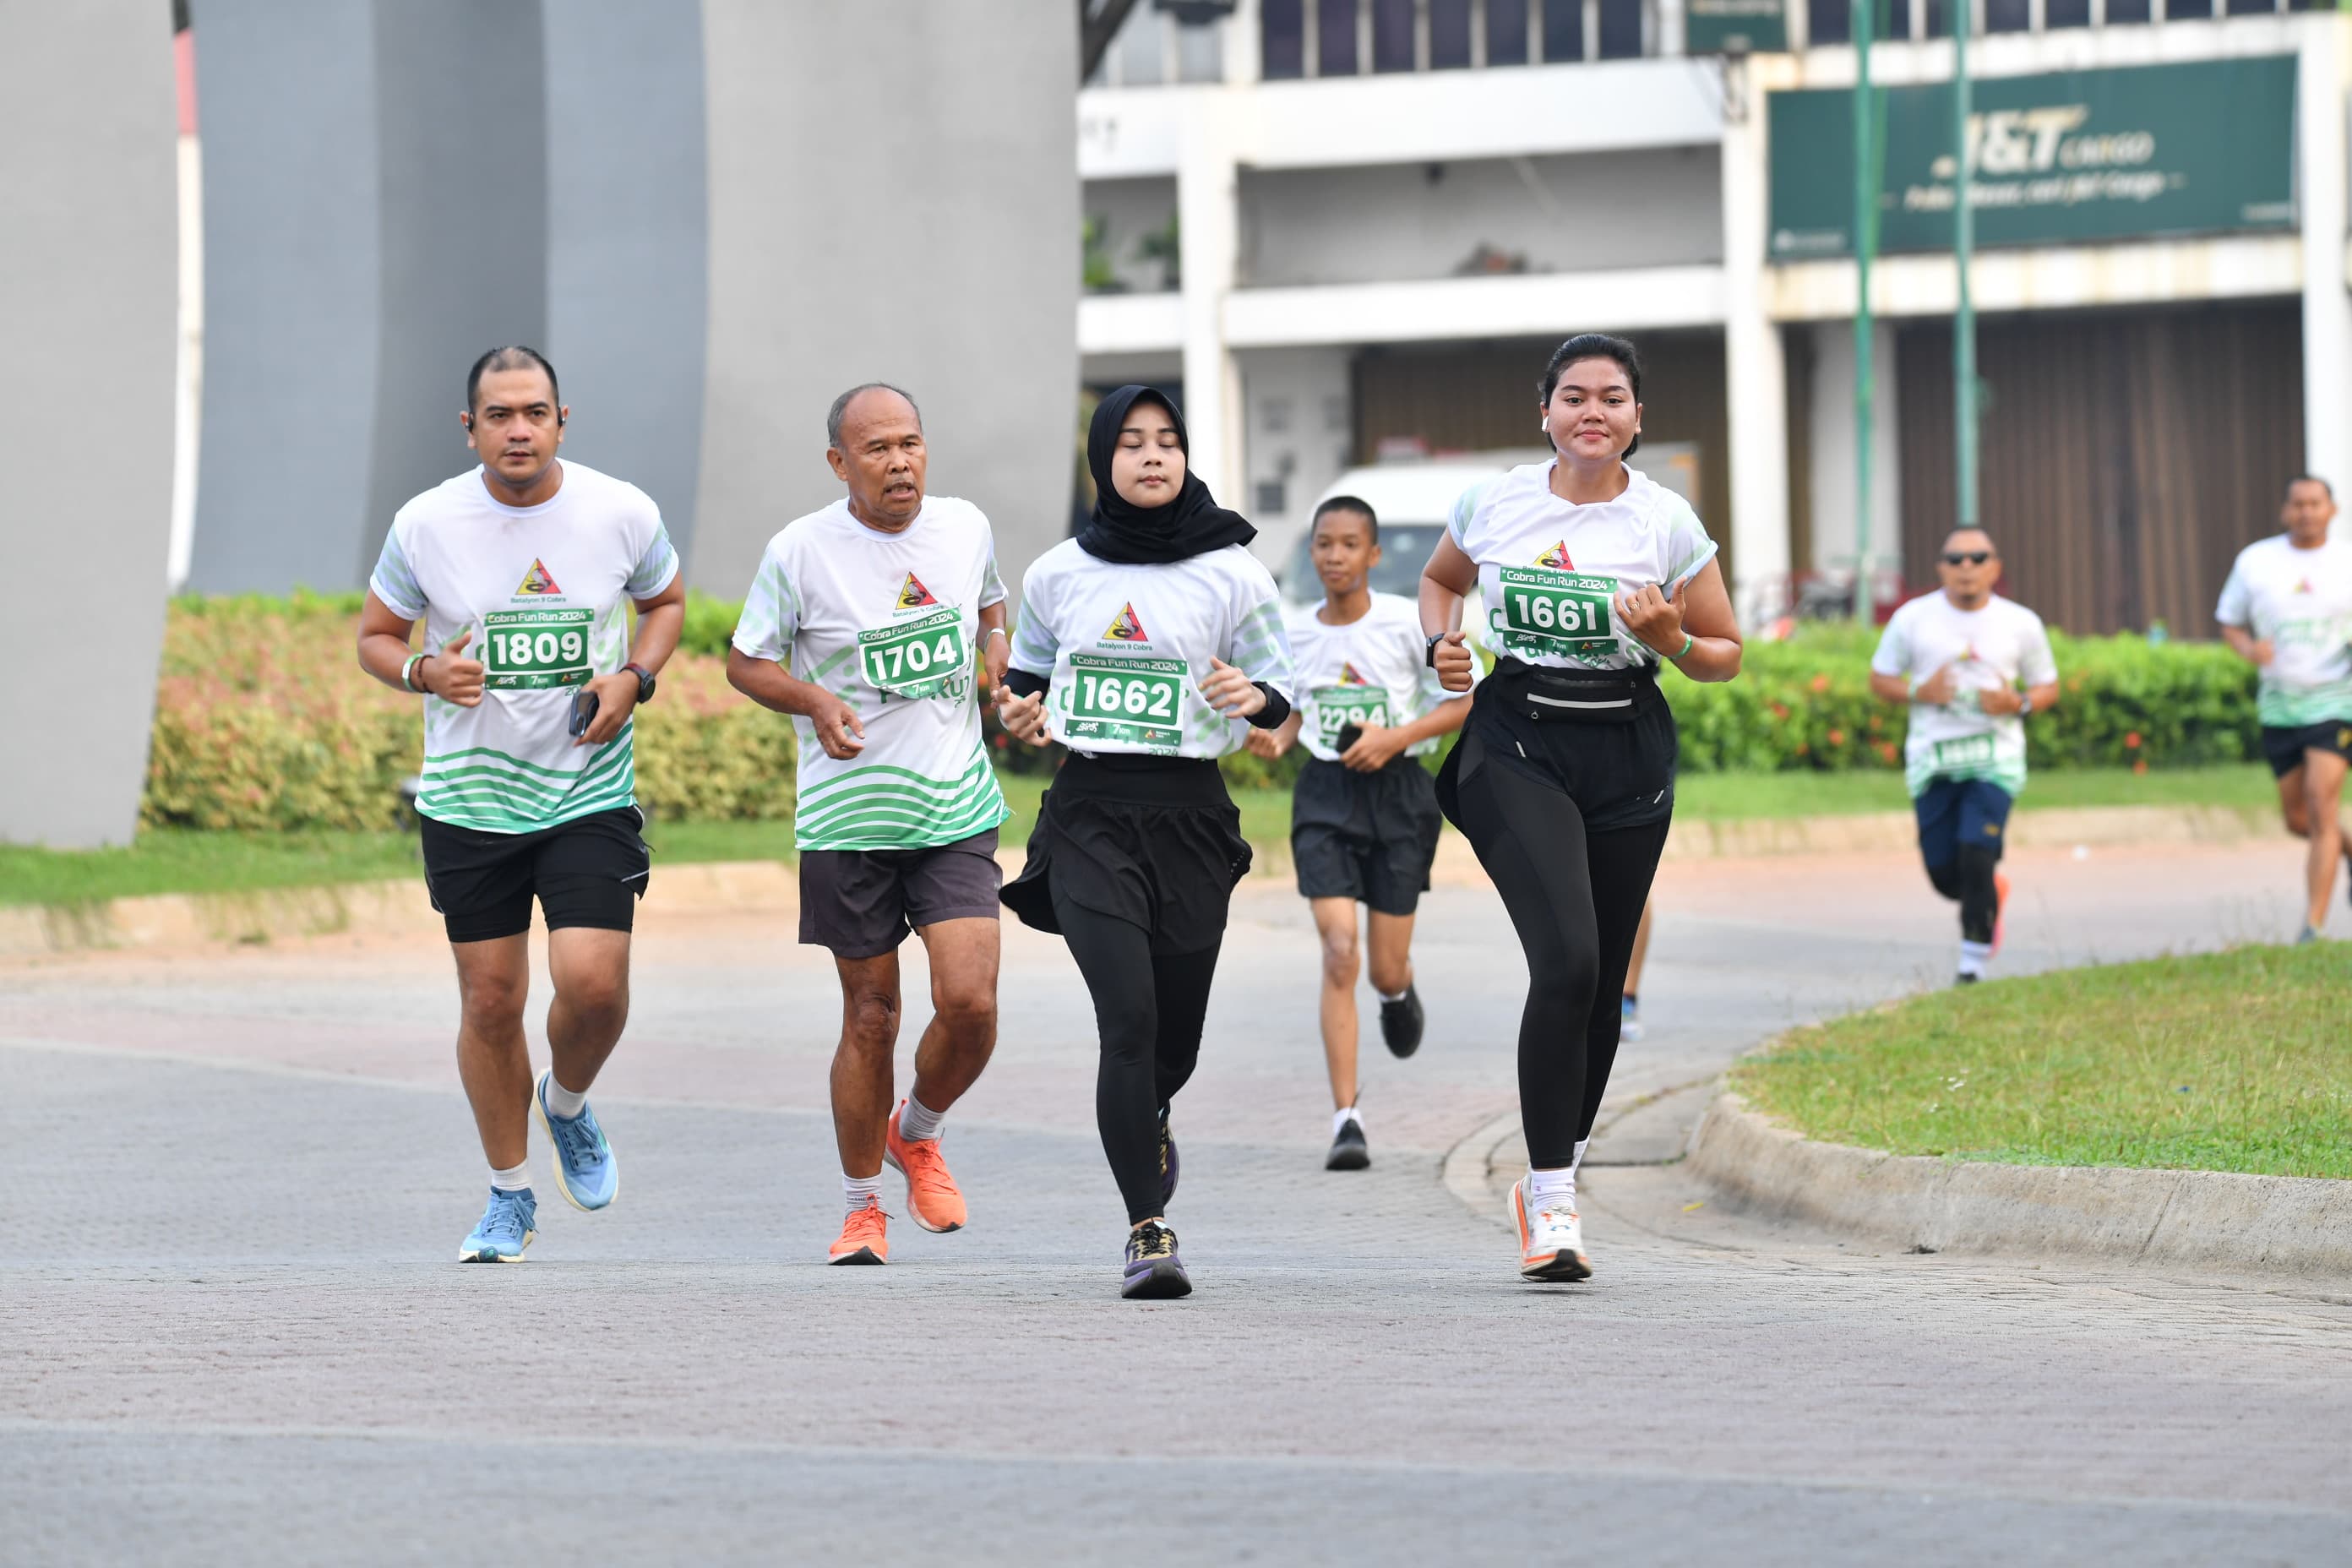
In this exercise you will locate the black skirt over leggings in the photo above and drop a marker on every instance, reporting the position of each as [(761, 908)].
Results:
[(1567, 806), (1133, 861)]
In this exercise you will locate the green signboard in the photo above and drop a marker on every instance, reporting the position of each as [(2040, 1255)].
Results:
[(1746, 26), (2067, 158)]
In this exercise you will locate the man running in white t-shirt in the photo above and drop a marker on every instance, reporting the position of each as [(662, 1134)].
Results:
[(520, 569), (1959, 658), (2287, 609), (863, 624)]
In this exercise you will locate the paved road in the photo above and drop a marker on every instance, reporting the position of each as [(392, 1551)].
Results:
[(230, 1182)]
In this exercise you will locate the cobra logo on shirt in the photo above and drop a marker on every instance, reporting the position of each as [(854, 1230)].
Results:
[(913, 596), (1127, 627), (1556, 558), (1351, 676), (536, 582)]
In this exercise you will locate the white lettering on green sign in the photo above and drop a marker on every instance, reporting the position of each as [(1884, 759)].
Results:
[(525, 651)]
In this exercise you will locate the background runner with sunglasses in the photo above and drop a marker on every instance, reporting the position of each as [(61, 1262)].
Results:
[(1958, 658)]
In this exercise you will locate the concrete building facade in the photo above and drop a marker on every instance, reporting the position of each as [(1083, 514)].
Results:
[(1386, 212)]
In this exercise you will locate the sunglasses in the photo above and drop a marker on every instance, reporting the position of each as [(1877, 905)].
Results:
[(1967, 557)]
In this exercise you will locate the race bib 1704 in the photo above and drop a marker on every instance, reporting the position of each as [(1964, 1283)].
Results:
[(1137, 702), (927, 656), (1336, 707), (1545, 610), (527, 649)]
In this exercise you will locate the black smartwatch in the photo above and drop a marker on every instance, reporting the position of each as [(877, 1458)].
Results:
[(1429, 654), (644, 682)]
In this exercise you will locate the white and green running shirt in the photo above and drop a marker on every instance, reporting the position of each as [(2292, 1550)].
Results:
[(1550, 570), (889, 624), (2001, 644), (2302, 601), (1127, 647), (542, 590), (1373, 670)]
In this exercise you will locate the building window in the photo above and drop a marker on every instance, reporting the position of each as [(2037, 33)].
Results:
[(1828, 21), (1393, 46), (2066, 13), (2187, 10), (1563, 29), (1273, 498), (1449, 34), (2008, 15), (1895, 18), (1620, 29), (1282, 38), (1334, 37), (2251, 7), (1507, 32), (2127, 11)]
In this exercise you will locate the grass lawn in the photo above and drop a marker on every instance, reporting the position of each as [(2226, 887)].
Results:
[(1727, 797), (178, 861), (2228, 1061)]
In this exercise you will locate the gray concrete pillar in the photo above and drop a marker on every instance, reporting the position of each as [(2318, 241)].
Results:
[(89, 274), (893, 196)]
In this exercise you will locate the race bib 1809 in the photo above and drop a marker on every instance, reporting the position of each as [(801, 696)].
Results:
[(1336, 707), (1545, 610), (1135, 702), (527, 649), (926, 656), (1963, 753)]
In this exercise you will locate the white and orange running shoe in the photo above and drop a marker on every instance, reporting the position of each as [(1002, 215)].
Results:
[(1551, 1241), (864, 1236), (931, 1194)]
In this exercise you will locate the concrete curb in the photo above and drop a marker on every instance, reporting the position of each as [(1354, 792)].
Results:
[(35, 930), (2207, 1220)]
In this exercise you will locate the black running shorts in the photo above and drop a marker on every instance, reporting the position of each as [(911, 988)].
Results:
[(861, 903), (1365, 835), (2284, 744), (590, 872)]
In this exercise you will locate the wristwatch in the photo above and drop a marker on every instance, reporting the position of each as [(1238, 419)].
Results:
[(644, 682), (2024, 703), (1429, 654)]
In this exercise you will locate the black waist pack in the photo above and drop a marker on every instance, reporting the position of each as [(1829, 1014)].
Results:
[(1548, 696)]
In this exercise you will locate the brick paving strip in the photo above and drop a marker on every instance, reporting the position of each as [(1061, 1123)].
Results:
[(230, 1177)]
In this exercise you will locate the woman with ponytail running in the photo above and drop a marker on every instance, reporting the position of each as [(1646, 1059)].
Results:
[(1149, 644), (1563, 781)]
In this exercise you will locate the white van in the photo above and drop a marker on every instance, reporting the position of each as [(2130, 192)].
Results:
[(1413, 500)]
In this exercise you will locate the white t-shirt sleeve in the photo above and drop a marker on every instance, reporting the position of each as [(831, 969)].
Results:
[(1261, 646), (2037, 665), (992, 587), (1466, 507), (1894, 655), (1689, 546), (394, 580), (2236, 608), (657, 564), (772, 612), (1034, 646)]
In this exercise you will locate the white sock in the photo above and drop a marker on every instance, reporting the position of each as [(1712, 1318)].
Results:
[(1386, 997), (1544, 1186), (855, 1190), (562, 1101), (1576, 1160), (919, 1121), (1974, 956), (1344, 1114), (510, 1180)]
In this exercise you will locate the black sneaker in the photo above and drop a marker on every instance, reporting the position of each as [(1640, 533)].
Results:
[(1400, 1023), (1154, 1272), (1964, 978), (1348, 1152), (1168, 1166)]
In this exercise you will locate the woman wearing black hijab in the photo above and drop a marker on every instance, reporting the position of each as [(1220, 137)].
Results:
[(1149, 646)]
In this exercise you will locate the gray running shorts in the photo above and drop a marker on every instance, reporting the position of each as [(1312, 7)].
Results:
[(861, 903)]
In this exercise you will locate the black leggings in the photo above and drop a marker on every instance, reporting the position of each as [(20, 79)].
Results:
[(1576, 898), (1149, 1010), (1969, 880)]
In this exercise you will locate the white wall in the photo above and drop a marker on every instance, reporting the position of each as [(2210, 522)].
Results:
[(1299, 426), (1647, 207), (1835, 548)]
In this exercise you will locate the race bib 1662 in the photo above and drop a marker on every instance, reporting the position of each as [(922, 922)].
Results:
[(1137, 702)]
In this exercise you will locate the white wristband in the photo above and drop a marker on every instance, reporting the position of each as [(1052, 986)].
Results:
[(409, 669)]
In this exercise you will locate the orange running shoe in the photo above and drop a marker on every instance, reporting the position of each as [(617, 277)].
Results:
[(1552, 1239), (864, 1236), (1999, 911), (931, 1194)]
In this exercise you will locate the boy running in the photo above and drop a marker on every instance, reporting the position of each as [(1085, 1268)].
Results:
[(1364, 819)]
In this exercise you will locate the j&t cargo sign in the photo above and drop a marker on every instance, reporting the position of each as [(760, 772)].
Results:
[(2066, 158)]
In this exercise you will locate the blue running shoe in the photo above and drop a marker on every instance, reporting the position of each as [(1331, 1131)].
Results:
[(1629, 1027), (585, 1169), (504, 1229)]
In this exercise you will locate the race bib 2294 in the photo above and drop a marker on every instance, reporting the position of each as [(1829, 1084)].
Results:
[(1336, 707)]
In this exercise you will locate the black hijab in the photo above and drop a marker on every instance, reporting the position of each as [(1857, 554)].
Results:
[(1193, 524)]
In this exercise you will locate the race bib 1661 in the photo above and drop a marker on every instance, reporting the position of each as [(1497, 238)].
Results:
[(1545, 610)]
